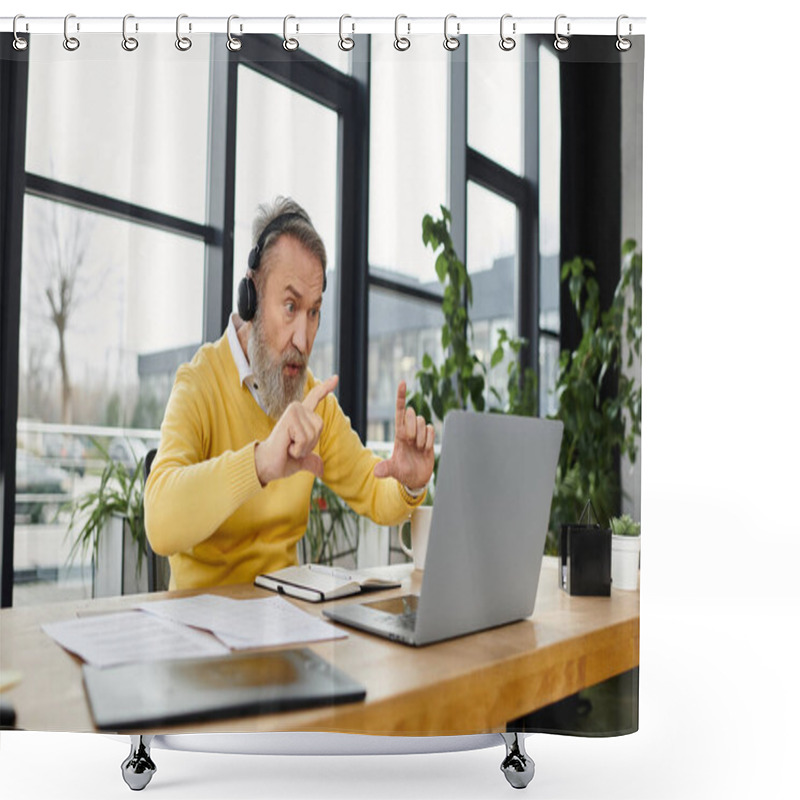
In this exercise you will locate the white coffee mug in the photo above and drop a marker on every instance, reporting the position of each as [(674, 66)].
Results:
[(420, 528)]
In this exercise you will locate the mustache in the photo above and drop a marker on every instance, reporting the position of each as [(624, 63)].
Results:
[(293, 356)]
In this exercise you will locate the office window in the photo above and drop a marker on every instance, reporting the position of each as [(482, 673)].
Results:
[(138, 131), (401, 331), (132, 128), (326, 48), (408, 153), (494, 103), (550, 228), (492, 265), (122, 295), (287, 145)]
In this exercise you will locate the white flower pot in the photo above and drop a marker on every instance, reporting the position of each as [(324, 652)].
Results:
[(116, 568), (625, 562)]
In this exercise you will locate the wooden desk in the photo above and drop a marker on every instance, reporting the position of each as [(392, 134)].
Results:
[(474, 684)]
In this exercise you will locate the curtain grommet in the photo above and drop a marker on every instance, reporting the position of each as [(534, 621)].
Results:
[(71, 43), (401, 43), (507, 43)]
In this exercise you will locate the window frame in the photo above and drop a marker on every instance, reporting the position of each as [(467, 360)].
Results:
[(466, 164), (349, 96)]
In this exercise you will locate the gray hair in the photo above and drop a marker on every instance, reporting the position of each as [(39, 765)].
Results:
[(300, 228)]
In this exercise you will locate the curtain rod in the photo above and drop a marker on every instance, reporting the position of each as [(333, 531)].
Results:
[(347, 25)]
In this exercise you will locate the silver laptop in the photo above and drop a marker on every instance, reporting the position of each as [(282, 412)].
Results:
[(490, 515)]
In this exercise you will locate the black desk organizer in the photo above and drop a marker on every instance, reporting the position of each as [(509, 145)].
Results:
[(585, 554)]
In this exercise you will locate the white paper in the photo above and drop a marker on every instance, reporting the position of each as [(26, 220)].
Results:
[(207, 611), (240, 624), (107, 639)]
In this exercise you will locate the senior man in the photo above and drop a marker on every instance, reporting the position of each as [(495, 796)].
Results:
[(248, 427)]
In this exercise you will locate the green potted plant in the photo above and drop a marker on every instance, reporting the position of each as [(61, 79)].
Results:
[(332, 531), (460, 381), (625, 548), (108, 522), (599, 402)]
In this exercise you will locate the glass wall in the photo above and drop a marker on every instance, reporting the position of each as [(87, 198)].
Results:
[(408, 154), (408, 179), (494, 101), (117, 236), (493, 266), (549, 226), (132, 128), (103, 297), (401, 330), (286, 145)]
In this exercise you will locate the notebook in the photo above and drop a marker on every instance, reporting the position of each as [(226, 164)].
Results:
[(490, 515), (316, 582), (145, 694)]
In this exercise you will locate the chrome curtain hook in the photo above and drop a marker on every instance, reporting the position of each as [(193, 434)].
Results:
[(345, 42), (70, 42), (623, 45), (507, 42), (451, 42), (562, 42), (233, 44), (289, 43), (19, 43), (128, 42), (183, 43), (401, 42)]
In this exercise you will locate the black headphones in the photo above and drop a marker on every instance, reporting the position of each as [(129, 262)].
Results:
[(247, 297)]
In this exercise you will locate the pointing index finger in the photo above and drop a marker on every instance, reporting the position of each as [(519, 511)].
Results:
[(316, 395), (400, 407)]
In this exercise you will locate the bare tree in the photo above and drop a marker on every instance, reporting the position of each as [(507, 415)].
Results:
[(58, 255)]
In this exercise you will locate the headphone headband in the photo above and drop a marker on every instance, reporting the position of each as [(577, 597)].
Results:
[(247, 297), (254, 259)]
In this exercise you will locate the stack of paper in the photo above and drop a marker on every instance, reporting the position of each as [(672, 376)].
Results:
[(108, 639), (183, 628), (263, 622)]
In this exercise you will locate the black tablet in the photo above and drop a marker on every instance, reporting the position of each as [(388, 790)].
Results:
[(145, 694)]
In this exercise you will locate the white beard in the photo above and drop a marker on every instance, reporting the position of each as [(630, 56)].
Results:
[(275, 390)]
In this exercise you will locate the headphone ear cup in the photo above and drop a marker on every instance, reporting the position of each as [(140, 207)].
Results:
[(253, 257), (247, 299)]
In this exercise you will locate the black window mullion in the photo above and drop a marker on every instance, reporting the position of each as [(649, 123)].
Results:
[(530, 268), (13, 102), (418, 293), (494, 177), (459, 152), (220, 189), (298, 71), (353, 201), (92, 201)]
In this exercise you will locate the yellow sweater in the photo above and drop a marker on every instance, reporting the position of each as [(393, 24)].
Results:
[(204, 505)]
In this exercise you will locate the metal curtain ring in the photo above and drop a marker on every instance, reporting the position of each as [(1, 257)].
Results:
[(507, 42), (451, 42), (288, 42), (128, 42), (345, 42), (401, 42), (562, 42), (623, 45), (233, 44), (70, 42), (183, 43), (19, 43)]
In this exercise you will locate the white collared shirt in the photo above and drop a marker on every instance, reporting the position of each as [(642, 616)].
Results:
[(246, 377)]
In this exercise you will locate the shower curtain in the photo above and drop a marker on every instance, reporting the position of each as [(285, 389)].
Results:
[(145, 157)]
